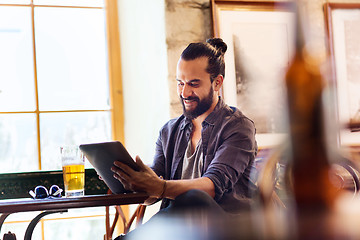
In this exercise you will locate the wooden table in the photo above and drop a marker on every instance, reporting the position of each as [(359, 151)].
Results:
[(48, 206)]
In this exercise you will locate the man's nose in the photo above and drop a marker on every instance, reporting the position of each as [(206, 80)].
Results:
[(186, 91)]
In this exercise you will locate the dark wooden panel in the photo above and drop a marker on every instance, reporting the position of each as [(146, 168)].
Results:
[(18, 185)]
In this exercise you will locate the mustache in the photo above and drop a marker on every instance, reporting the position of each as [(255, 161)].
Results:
[(190, 98)]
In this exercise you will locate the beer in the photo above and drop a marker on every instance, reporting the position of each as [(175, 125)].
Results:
[(73, 170), (74, 177)]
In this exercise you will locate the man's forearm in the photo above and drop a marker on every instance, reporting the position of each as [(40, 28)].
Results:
[(176, 187)]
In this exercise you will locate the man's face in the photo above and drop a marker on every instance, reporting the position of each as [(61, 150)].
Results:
[(194, 87)]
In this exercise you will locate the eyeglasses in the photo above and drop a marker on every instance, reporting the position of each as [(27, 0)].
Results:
[(40, 192)]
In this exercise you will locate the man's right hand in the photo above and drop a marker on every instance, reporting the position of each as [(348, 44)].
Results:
[(144, 180)]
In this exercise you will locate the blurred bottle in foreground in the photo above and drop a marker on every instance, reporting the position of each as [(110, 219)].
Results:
[(310, 164)]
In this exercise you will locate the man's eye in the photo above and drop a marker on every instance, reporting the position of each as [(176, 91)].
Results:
[(180, 84)]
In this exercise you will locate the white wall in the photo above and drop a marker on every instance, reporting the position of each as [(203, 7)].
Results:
[(144, 68)]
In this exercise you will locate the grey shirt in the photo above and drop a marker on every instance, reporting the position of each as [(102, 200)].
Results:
[(228, 148), (193, 162)]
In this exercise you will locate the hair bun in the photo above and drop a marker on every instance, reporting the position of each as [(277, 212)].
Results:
[(218, 43)]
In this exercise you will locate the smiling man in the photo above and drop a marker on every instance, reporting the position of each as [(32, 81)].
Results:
[(204, 157)]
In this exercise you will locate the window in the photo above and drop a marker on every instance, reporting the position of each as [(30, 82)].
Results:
[(54, 81), (56, 84)]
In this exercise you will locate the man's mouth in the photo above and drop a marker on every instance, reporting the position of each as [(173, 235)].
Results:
[(188, 102)]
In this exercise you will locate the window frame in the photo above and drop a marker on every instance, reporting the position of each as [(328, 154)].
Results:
[(114, 72)]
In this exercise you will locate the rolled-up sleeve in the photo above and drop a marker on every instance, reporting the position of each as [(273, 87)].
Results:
[(235, 150)]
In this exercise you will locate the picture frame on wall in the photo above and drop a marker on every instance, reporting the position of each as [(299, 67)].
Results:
[(260, 39), (343, 21)]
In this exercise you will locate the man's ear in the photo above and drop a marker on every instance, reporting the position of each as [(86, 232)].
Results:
[(218, 81)]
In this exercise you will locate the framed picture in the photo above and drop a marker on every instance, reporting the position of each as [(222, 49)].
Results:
[(260, 39), (343, 21)]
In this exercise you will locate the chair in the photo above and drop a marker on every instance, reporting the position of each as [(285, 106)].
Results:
[(138, 215), (266, 179), (273, 175)]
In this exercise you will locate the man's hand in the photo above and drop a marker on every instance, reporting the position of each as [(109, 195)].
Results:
[(144, 180)]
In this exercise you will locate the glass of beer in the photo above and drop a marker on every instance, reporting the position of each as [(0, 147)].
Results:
[(73, 167)]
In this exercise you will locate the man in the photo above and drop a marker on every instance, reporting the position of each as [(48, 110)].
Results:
[(205, 154)]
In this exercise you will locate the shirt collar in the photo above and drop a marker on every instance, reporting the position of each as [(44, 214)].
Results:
[(213, 116)]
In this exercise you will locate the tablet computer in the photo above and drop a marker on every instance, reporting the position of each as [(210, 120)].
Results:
[(102, 156)]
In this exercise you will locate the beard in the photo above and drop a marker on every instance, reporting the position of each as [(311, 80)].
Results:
[(202, 105)]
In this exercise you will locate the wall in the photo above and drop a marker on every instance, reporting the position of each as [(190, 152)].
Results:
[(144, 73), (186, 21), (190, 21)]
